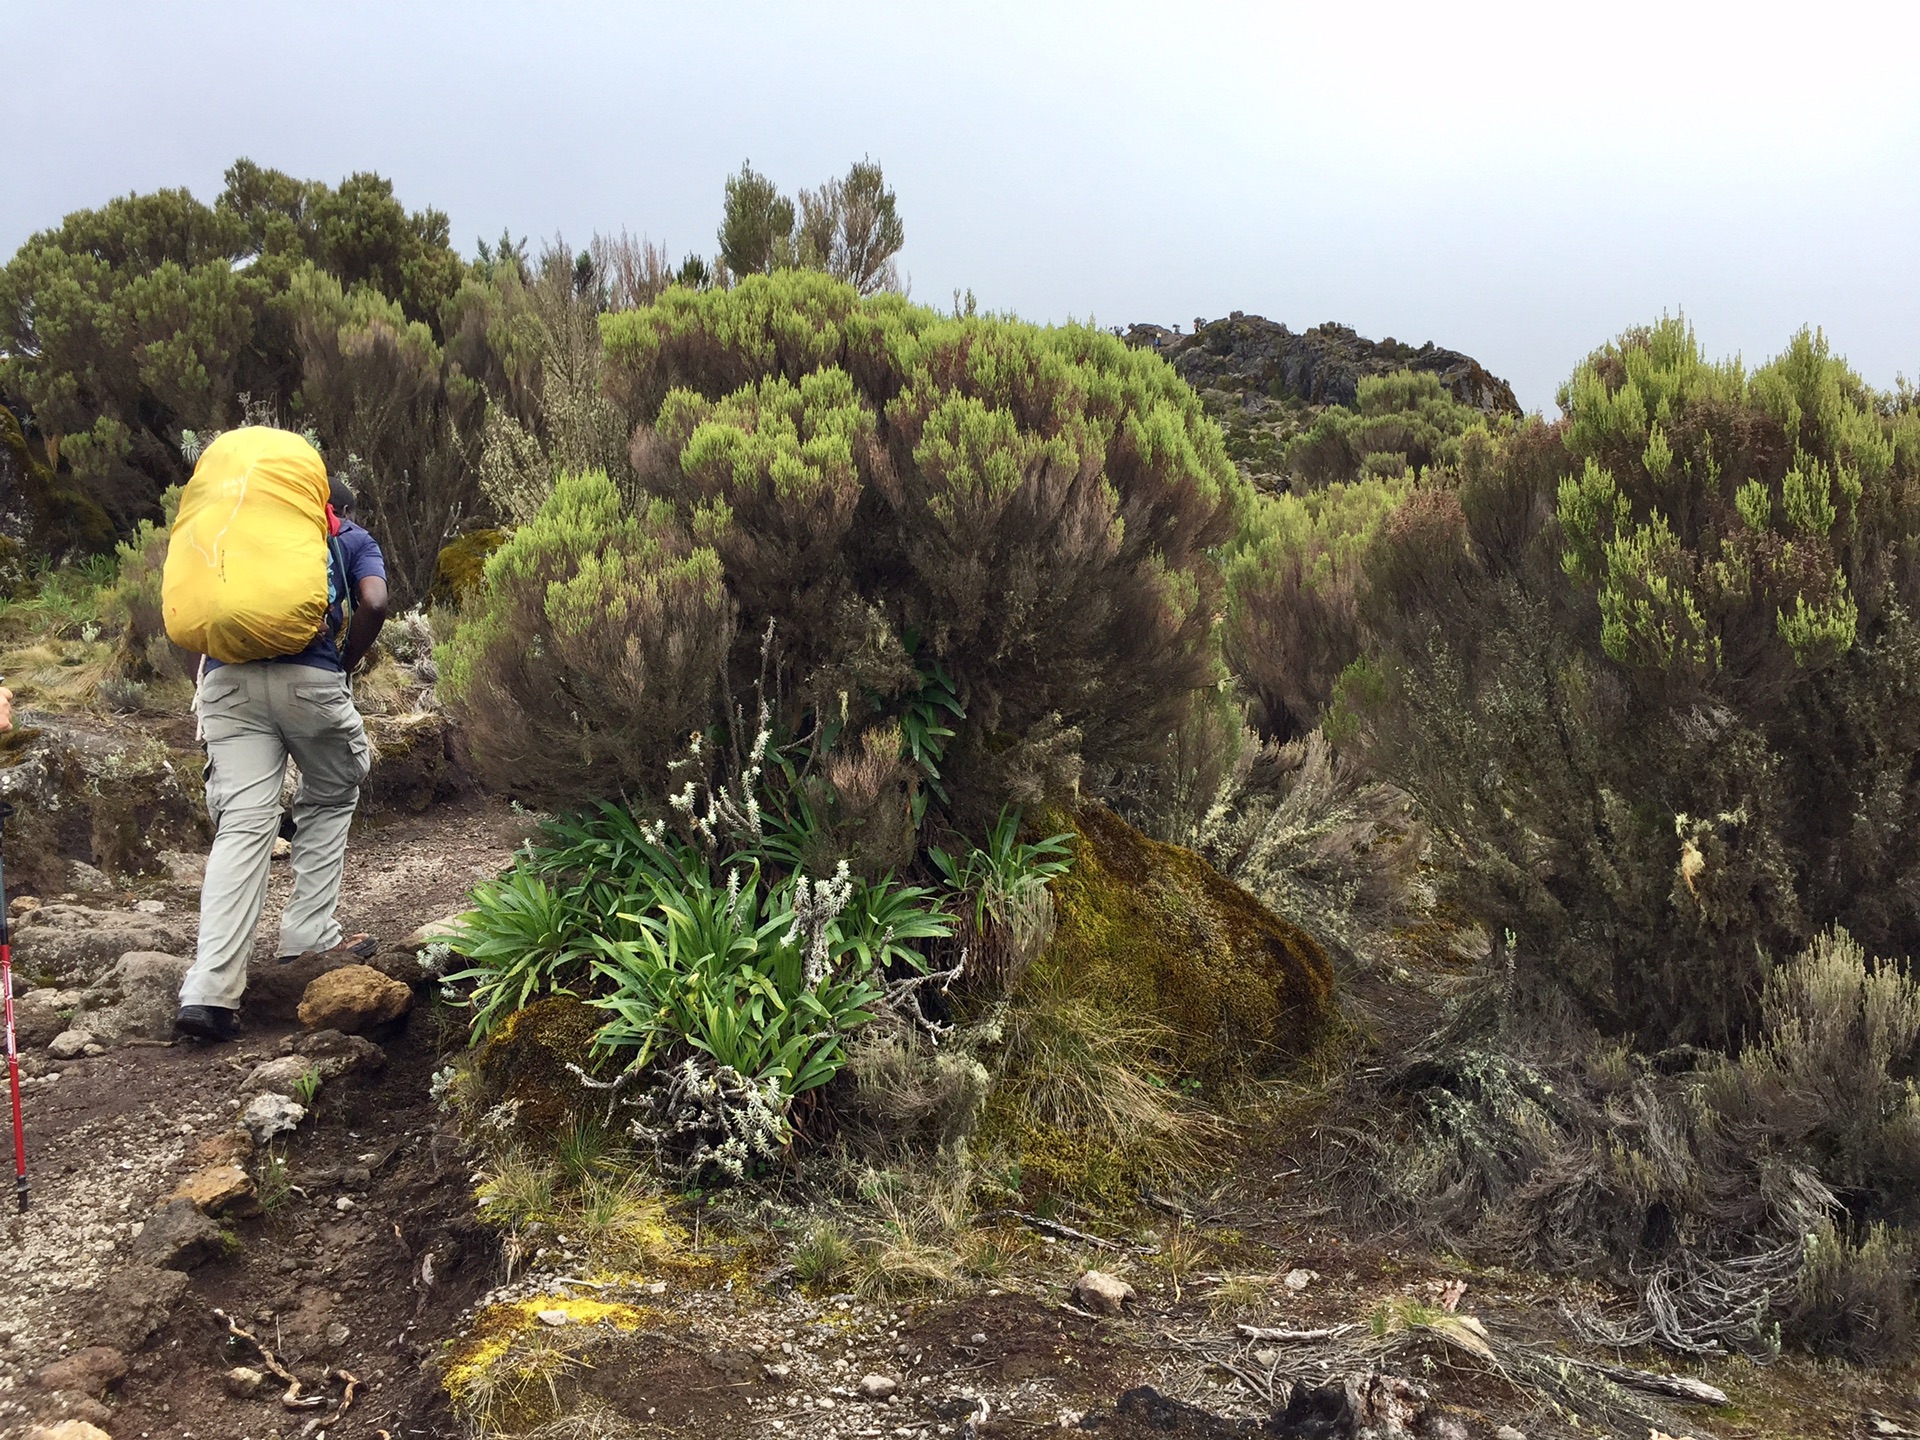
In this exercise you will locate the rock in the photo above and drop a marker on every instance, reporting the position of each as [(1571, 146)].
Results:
[(149, 907), (274, 990), (39, 1015), (183, 868), (523, 1064), (433, 931), (340, 1054), (92, 1371), (878, 1387), (282, 1076), (87, 878), (70, 1044), (71, 1429), (1298, 1280), (134, 1304), (1102, 1293), (136, 999), (178, 1237), (551, 1317), (1507, 1432), (233, 1146), (411, 763), (353, 998), (243, 1382), (219, 1190), (1383, 1407), (269, 1114), (1149, 929), (282, 848), (77, 945), (20, 904)]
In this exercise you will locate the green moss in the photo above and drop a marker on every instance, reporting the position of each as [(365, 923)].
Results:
[(524, 1064), (461, 565), (1149, 929), (1056, 1163)]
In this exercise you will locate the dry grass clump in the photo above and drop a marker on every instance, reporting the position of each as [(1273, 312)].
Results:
[(1752, 1201)]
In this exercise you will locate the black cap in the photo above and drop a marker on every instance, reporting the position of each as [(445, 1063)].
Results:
[(339, 495)]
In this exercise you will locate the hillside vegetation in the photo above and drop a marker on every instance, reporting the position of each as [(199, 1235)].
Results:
[(990, 778)]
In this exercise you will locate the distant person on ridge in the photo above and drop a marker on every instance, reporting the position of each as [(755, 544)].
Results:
[(255, 715)]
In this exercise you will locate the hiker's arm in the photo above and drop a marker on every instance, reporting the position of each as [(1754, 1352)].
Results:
[(369, 614)]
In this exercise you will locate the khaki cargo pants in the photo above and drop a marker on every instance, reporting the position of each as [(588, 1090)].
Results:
[(254, 717)]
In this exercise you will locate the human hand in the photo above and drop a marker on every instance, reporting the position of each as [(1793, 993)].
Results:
[(6, 708)]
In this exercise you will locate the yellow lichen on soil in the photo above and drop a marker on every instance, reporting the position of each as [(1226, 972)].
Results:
[(1149, 929), (506, 1371)]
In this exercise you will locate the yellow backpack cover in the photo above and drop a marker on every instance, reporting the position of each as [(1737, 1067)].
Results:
[(246, 572)]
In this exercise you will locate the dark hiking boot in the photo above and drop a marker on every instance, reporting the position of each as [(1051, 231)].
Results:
[(207, 1022)]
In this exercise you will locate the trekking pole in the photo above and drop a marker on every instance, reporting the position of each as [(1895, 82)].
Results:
[(13, 1052)]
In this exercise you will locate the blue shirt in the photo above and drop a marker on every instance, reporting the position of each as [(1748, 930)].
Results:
[(361, 554)]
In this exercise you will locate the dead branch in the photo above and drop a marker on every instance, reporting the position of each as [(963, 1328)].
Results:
[(1674, 1387), (1062, 1232), (1273, 1333)]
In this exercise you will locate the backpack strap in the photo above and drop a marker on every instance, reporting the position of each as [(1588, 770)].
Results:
[(338, 556)]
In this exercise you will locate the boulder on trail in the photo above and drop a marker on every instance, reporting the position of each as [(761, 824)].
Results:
[(134, 1303), (275, 990), (353, 998), (92, 1371), (269, 1114), (77, 944), (136, 999), (219, 1190), (39, 1015), (334, 1055), (183, 868), (178, 1237), (72, 1044), (412, 765)]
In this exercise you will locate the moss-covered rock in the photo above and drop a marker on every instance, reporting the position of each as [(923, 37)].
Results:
[(1148, 929), (458, 569), (524, 1064)]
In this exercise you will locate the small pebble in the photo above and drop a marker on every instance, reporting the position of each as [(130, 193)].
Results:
[(552, 1317)]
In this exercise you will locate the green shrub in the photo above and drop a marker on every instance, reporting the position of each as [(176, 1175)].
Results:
[(592, 649), (1031, 509), (1656, 672), (1399, 424), (1293, 623)]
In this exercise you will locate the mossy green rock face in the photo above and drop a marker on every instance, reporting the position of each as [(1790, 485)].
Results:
[(524, 1064), (1149, 929)]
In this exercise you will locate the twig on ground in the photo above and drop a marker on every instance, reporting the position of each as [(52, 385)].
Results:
[(1674, 1387), (1063, 1232), (1272, 1333)]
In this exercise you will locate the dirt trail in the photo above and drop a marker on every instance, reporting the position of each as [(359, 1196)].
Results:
[(333, 1272)]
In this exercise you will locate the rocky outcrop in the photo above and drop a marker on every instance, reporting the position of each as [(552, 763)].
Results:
[(77, 944), (136, 999), (1322, 366), (109, 798)]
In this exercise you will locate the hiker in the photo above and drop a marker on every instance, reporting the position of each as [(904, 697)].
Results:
[(255, 715)]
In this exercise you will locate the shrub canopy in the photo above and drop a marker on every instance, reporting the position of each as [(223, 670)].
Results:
[(1028, 511), (1656, 670)]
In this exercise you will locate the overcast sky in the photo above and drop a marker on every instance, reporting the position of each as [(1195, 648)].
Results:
[(1516, 181)]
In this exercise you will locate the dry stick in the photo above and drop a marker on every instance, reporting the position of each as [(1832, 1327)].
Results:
[(1268, 1332), (353, 1386), (1062, 1232), (1674, 1387)]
